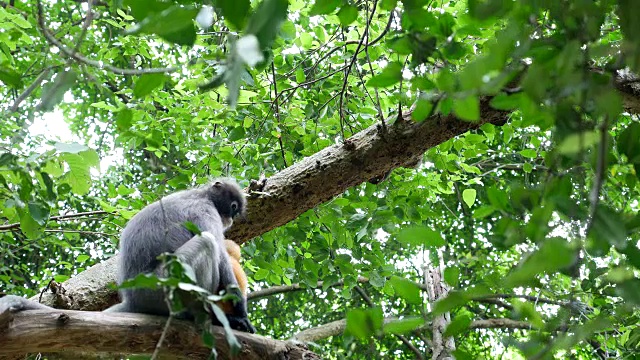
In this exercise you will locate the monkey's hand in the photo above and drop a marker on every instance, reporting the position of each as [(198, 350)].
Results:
[(241, 324)]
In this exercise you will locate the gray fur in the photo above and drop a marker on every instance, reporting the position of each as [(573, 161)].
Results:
[(159, 228)]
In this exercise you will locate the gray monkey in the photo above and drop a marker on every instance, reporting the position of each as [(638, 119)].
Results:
[(159, 228)]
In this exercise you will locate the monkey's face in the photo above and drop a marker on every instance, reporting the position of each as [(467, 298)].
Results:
[(229, 200)]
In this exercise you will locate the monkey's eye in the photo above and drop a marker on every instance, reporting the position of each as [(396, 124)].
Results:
[(234, 208)]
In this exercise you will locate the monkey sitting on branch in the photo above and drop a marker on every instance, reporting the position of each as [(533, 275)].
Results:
[(161, 228)]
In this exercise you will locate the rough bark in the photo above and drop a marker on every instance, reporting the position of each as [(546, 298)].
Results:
[(88, 291), (442, 346), (70, 332)]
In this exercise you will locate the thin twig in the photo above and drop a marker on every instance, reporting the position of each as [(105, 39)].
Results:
[(97, 64), (277, 112), (58, 218), (348, 70), (375, 90), (85, 26), (355, 42), (600, 172), (156, 351), (34, 85), (98, 233)]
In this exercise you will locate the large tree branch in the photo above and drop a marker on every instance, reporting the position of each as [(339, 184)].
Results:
[(328, 173), (66, 331), (337, 327)]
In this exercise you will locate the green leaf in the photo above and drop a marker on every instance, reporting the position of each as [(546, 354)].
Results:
[(469, 196), (10, 77), (7, 158), (452, 275), (503, 101), (420, 235), (497, 198), (53, 93), (193, 228), (422, 110), (39, 212), (553, 255), (627, 11), (229, 335), (406, 289), (529, 153), (364, 323), (61, 278), (234, 11), (265, 21), (376, 280), (403, 45), (388, 4), (630, 291), (483, 211), (389, 76), (207, 339), (237, 133), (582, 332), (78, 176), (174, 24), (467, 109), (192, 288), (72, 148), (141, 9), (261, 274), (458, 325), (300, 77), (29, 226), (452, 301), (486, 9), (628, 143), (288, 30), (527, 311), (147, 83), (403, 326), (578, 142), (124, 120), (347, 14), (91, 158), (323, 7), (608, 225)]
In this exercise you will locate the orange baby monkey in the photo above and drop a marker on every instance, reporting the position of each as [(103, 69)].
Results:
[(233, 250)]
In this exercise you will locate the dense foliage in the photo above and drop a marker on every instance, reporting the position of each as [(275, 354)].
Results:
[(542, 211)]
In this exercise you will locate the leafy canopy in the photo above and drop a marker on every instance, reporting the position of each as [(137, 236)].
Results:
[(535, 221)]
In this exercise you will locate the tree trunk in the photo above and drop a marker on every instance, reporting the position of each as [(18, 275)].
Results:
[(442, 347)]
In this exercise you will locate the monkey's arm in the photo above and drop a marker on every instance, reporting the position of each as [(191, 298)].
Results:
[(214, 271), (201, 252)]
